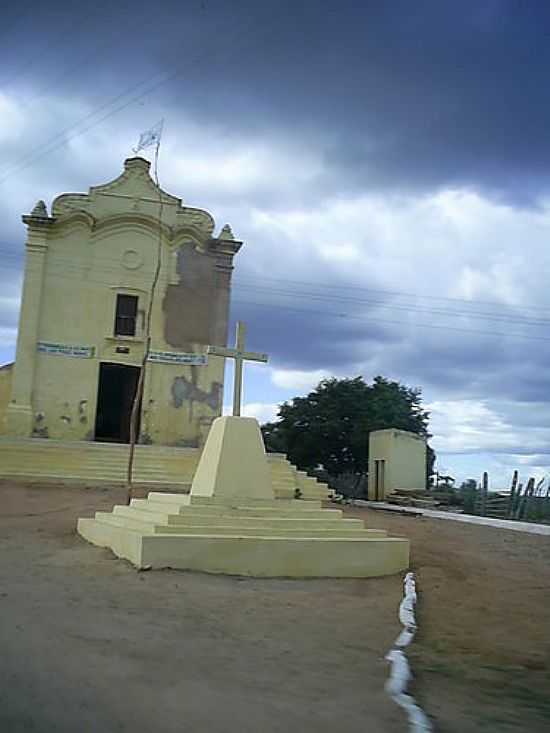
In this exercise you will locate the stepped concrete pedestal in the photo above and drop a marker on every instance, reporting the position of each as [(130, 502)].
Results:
[(233, 462), (232, 523)]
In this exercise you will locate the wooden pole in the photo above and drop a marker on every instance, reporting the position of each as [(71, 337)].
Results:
[(513, 489), (138, 397), (484, 491), (525, 498)]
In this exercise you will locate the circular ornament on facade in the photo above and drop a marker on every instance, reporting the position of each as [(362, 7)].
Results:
[(132, 259)]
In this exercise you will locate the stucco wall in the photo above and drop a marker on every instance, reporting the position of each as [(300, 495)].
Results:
[(5, 393), (404, 454), (94, 247)]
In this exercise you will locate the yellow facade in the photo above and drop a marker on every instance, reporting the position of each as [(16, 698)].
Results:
[(6, 372), (93, 249), (397, 460)]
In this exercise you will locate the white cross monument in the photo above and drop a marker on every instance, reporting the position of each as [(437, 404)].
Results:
[(240, 355)]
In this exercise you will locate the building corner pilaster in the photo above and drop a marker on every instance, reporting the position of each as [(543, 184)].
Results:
[(20, 409)]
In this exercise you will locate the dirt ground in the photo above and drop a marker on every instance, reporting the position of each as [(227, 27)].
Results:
[(89, 644), (482, 657)]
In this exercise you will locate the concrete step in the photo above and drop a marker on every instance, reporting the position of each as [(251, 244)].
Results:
[(103, 463), (235, 529), (251, 555), (206, 519), (97, 479), (248, 511), (167, 498)]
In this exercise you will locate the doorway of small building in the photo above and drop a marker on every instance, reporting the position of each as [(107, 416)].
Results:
[(379, 478), (115, 396)]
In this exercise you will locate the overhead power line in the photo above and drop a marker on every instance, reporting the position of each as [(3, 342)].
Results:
[(339, 285), (37, 154), (68, 266), (375, 321), (522, 320), (342, 315)]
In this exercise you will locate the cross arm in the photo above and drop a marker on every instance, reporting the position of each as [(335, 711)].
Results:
[(235, 354), (221, 351), (255, 356)]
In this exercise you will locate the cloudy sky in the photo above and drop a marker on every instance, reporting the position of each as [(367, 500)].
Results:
[(386, 163)]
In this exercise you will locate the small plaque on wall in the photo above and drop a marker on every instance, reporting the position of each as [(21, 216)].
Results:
[(79, 352), (173, 357)]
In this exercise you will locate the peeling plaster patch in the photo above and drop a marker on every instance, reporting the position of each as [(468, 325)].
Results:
[(184, 390), (66, 419), (199, 293), (39, 430)]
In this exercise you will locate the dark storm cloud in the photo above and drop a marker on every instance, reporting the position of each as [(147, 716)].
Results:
[(301, 339), (377, 106), (397, 95)]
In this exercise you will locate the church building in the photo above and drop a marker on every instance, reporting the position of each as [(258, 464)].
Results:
[(89, 274)]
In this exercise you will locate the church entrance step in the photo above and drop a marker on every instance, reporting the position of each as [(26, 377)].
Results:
[(98, 463)]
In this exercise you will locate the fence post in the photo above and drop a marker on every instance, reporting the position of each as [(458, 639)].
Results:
[(484, 490), (525, 498), (513, 493)]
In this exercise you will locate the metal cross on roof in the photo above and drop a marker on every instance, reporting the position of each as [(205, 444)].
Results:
[(240, 356)]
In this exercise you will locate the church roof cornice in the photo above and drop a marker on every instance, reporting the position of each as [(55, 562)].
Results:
[(38, 217), (135, 195), (133, 201), (145, 222)]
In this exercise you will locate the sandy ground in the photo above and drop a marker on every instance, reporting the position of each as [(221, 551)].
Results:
[(482, 657), (89, 644)]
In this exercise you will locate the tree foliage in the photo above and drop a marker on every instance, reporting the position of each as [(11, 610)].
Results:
[(330, 426)]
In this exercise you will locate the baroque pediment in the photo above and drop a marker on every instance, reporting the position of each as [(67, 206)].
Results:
[(134, 194), (135, 182)]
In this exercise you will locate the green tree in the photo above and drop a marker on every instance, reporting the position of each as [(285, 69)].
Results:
[(330, 426)]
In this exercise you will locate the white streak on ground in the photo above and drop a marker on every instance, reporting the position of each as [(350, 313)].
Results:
[(400, 673)]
